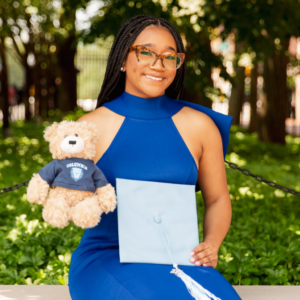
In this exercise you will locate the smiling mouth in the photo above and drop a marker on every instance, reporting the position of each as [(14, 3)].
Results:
[(154, 79)]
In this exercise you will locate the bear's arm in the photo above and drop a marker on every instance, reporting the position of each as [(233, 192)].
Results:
[(99, 178), (48, 172)]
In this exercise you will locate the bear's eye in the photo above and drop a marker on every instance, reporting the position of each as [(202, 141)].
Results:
[(76, 134), (65, 136)]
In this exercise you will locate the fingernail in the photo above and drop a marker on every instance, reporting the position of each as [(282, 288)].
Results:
[(192, 259), (204, 265), (192, 253), (197, 263)]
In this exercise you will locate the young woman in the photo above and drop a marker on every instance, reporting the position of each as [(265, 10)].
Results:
[(147, 133)]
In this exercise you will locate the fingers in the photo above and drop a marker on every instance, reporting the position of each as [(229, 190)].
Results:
[(202, 259), (200, 247), (208, 261), (205, 254), (212, 264)]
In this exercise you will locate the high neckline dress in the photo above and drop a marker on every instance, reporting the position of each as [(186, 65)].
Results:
[(147, 147)]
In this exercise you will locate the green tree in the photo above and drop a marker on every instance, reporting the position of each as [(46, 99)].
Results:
[(265, 27), (45, 39)]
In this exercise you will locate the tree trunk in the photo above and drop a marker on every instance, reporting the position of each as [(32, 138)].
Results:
[(275, 86), (4, 89), (28, 84), (253, 126), (37, 95), (297, 98), (206, 46), (237, 95), (68, 86)]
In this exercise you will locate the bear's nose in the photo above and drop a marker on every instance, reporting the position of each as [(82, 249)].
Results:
[(72, 142)]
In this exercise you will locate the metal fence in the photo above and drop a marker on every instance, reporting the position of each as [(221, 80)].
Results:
[(91, 61)]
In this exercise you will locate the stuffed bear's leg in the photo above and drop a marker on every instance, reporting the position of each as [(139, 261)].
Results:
[(56, 211), (87, 213)]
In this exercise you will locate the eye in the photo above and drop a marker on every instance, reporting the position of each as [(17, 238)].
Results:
[(171, 57), (76, 134), (145, 52)]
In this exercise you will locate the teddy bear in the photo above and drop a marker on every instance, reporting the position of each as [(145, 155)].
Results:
[(81, 192)]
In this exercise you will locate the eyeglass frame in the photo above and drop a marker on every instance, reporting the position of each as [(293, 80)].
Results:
[(137, 49)]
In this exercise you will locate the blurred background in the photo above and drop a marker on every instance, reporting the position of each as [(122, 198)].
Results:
[(242, 60), (242, 57)]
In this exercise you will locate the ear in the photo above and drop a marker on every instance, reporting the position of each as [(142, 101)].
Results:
[(93, 130), (50, 131), (124, 63)]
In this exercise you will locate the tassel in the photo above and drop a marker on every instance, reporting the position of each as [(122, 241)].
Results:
[(194, 288)]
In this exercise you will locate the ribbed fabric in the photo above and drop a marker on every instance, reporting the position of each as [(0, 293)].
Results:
[(148, 147)]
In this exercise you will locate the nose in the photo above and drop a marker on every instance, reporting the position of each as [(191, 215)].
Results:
[(72, 142), (158, 65)]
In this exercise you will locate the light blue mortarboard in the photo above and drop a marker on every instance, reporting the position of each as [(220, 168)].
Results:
[(141, 204)]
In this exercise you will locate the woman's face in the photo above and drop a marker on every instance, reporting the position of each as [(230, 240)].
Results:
[(137, 83)]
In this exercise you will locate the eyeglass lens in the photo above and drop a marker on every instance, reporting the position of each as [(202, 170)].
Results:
[(169, 62)]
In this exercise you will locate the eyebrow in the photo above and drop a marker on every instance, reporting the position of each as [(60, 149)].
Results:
[(168, 47)]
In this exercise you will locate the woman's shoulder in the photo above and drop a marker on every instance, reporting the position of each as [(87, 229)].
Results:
[(200, 126), (197, 119), (210, 121), (99, 116)]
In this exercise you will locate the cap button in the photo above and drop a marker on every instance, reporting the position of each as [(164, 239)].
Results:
[(157, 219)]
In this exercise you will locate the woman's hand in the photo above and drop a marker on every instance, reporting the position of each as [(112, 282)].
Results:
[(205, 254)]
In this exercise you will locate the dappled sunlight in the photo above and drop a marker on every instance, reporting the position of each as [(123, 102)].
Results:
[(246, 191), (24, 197), (66, 258), (292, 139), (285, 167), (4, 164), (235, 158), (240, 135), (279, 194), (31, 225), (13, 234), (10, 207)]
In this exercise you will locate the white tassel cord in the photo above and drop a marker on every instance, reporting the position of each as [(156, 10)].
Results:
[(194, 288)]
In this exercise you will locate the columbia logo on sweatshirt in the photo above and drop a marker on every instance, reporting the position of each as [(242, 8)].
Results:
[(76, 171)]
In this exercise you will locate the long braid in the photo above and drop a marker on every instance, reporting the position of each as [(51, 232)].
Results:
[(114, 80)]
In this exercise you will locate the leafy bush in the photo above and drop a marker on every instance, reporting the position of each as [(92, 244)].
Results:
[(262, 244), (261, 247)]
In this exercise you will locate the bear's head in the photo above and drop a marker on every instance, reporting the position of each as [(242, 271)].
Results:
[(72, 139)]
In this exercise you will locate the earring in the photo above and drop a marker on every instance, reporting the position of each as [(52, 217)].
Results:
[(122, 69)]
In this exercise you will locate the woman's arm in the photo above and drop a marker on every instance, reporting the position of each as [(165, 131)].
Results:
[(213, 184)]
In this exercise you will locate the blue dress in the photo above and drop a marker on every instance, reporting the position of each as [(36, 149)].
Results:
[(147, 147)]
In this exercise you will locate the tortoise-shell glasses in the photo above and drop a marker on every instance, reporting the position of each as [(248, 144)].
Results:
[(148, 57)]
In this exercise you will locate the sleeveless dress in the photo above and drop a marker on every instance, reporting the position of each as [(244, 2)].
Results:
[(147, 147)]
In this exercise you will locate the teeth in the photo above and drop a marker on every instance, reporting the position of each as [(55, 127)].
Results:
[(155, 78)]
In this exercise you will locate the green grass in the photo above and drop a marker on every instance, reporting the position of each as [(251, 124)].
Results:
[(261, 247)]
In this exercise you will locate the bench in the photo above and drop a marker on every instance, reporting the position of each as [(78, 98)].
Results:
[(61, 292)]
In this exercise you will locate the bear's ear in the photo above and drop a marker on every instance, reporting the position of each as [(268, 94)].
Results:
[(50, 131), (92, 128)]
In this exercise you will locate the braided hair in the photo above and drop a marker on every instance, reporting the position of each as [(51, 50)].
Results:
[(114, 80)]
